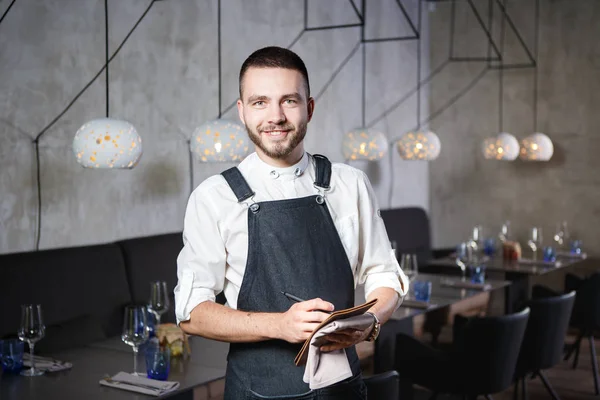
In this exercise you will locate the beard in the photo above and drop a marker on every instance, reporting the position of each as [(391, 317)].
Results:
[(280, 149)]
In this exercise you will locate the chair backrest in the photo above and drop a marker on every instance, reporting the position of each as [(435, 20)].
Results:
[(489, 348), (82, 291), (152, 258), (409, 228), (546, 330), (383, 386), (586, 311)]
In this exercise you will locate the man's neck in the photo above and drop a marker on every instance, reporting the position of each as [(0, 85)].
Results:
[(292, 159)]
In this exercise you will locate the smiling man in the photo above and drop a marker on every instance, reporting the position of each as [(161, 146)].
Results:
[(282, 221)]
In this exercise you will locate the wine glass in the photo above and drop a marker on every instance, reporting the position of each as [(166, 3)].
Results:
[(535, 241), (135, 330), (408, 263), (31, 330), (561, 237), (504, 234), (477, 235), (159, 299)]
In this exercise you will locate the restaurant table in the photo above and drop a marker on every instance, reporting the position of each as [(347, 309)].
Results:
[(402, 319), (206, 364), (94, 362), (518, 272)]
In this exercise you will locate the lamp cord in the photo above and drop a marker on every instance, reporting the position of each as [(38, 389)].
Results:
[(535, 70), (106, 53), (501, 76)]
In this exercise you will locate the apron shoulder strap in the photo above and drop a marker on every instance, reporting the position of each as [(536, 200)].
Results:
[(238, 184), (323, 171)]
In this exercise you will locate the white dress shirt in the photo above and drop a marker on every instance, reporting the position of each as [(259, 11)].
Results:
[(215, 232)]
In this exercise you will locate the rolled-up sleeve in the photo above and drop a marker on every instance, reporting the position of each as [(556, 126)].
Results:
[(201, 262), (378, 266)]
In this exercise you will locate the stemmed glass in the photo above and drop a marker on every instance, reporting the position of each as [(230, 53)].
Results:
[(561, 237), (535, 241), (31, 330), (135, 330), (408, 263), (159, 299), (504, 234)]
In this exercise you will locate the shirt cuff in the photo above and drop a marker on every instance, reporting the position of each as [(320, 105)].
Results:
[(397, 281), (184, 305)]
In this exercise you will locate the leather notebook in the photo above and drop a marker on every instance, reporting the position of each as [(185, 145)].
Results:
[(336, 315)]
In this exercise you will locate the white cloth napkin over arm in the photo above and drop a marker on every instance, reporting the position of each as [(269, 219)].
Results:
[(140, 384), (325, 369)]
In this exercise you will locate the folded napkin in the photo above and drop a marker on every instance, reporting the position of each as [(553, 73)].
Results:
[(46, 364), (466, 285), (531, 261), (411, 303), (325, 369), (140, 384)]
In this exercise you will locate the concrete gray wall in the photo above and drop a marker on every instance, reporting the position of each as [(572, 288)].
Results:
[(468, 190), (164, 81)]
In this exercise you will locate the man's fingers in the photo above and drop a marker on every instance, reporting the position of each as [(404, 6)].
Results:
[(316, 316), (316, 304)]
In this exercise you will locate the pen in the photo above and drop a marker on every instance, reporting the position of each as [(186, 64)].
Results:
[(292, 297), (298, 299)]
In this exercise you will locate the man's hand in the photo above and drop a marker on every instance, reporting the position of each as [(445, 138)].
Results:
[(302, 319), (345, 338)]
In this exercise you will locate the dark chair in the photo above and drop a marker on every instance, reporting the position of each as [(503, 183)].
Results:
[(544, 337), (409, 228), (585, 317), (481, 362), (384, 386)]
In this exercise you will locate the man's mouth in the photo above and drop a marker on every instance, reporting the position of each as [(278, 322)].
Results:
[(276, 133)]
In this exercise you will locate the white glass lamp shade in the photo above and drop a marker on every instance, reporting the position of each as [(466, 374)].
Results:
[(364, 144), (419, 146), (502, 147), (536, 147), (107, 143), (220, 140)]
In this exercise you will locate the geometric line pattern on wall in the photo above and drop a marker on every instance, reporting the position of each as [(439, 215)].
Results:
[(6, 11), (488, 32)]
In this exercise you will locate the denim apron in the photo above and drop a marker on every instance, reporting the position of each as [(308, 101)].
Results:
[(293, 246)]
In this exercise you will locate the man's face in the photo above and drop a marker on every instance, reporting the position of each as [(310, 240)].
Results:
[(275, 109)]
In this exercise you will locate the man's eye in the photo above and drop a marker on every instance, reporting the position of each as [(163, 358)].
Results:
[(290, 101), (259, 103)]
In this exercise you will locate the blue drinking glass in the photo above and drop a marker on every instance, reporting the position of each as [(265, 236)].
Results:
[(549, 254), (576, 246), (477, 274), (11, 355), (151, 321), (158, 362), (422, 290), (489, 246)]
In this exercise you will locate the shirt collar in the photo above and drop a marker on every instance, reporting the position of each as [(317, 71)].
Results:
[(287, 173)]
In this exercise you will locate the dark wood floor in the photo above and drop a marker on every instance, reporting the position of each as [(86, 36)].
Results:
[(570, 384)]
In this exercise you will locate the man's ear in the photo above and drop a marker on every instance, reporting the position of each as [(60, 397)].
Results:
[(310, 107), (240, 107)]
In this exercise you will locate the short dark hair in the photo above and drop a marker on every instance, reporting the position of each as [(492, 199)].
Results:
[(274, 57)]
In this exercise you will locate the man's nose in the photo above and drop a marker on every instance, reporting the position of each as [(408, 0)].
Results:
[(276, 115)]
